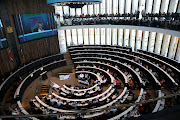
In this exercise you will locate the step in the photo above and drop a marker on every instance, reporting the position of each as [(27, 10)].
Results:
[(44, 87), (44, 90)]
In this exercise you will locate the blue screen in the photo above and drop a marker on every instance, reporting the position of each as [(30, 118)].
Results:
[(34, 26)]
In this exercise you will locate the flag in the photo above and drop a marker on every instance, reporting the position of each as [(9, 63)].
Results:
[(22, 54), (10, 55)]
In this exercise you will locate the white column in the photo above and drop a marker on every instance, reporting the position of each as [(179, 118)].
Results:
[(97, 36), (178, 52), (115, 6), (121, 6), (138, 39), (171, 47), (165, 45), (158, 43), (149, 6), (141, 6), (126, 37), (86, 37), (152, 37), (173, 6), (178, 10), (128, 6), (120, 37), (145, 40), (114, 37), (134, 5), (156, 6), (62, 41), (164, 6), (108, 36), (103, 36), (132, 39)]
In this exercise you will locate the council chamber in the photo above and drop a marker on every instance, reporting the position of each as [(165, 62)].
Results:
[(89, 59)]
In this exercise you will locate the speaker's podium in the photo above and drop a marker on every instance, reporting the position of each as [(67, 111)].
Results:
[(44, 75)]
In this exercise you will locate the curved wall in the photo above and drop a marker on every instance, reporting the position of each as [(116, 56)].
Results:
[(150, 29), (160, 41)]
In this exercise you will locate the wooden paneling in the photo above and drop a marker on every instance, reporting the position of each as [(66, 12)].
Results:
[(34, 49)]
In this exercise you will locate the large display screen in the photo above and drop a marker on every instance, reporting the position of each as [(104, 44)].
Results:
[(34, 26), (3, 41)]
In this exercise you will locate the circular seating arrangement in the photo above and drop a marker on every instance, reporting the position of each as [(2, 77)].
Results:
[(115, 76)]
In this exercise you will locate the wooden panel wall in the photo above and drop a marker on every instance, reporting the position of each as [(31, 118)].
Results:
[(34, 49), (6, 65)]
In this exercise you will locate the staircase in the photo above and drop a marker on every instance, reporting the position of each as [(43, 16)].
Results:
[(44, 91), (68, 58)]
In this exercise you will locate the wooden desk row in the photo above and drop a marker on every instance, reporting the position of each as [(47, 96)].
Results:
[(103, 51), (115, 60), (143, 60), (131, 109), (92, 112), (165, 59), (103, 59)]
